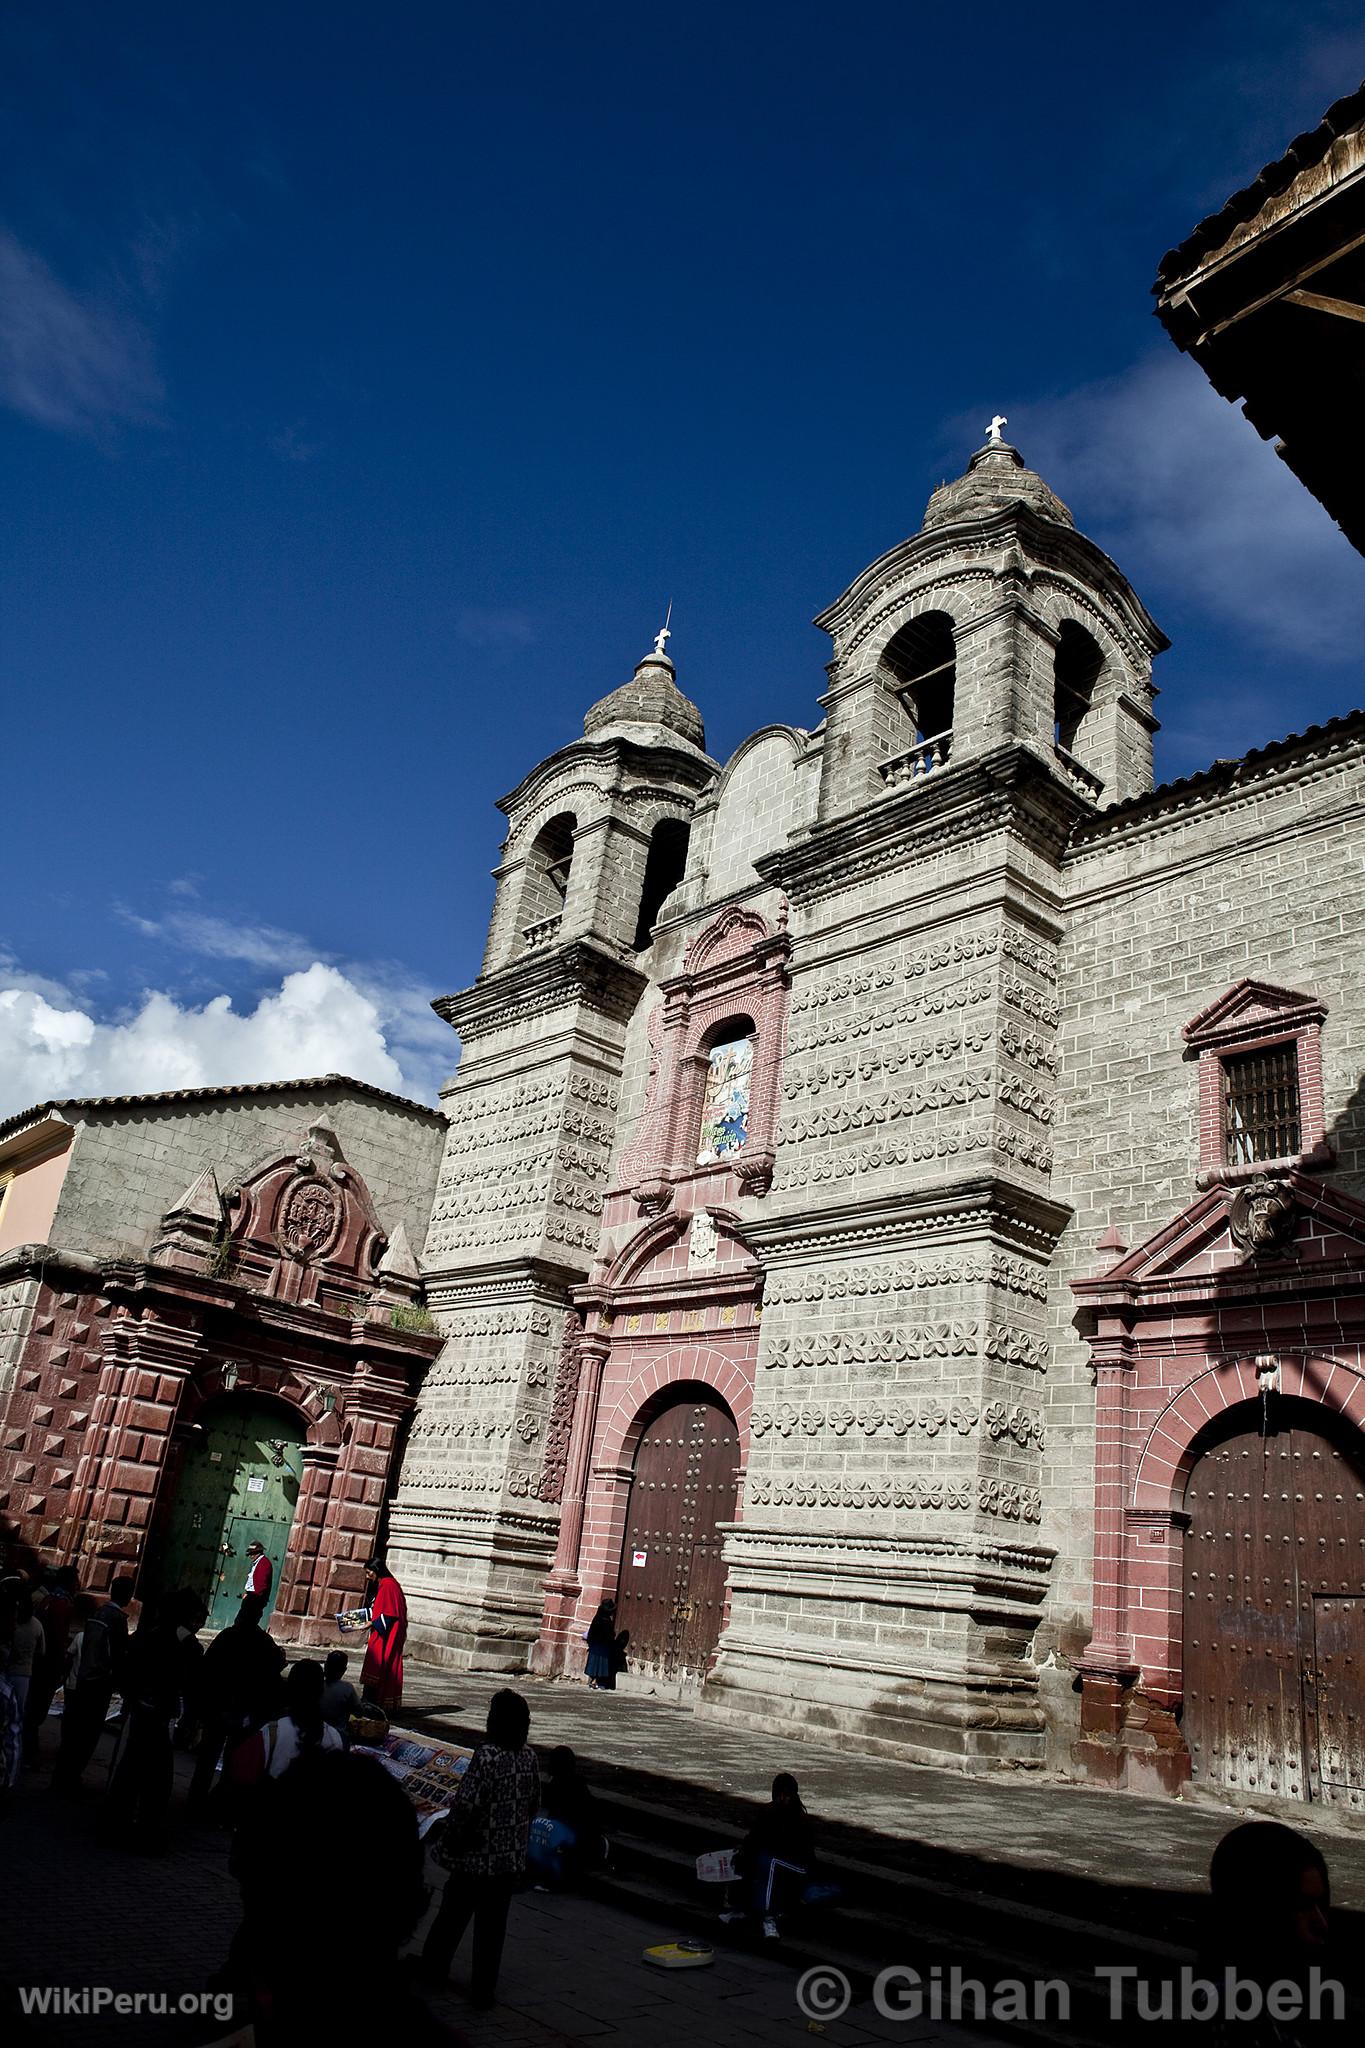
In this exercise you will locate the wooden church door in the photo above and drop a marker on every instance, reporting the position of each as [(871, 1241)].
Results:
[(1275, 1613), (671, 1590)]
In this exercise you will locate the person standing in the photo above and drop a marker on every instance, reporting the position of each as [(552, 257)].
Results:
[(104, 1651), (260, 1574), (300, 1728), (238, 1692), (162, 1671), (381, 1675), (483, 1846), (27, 1646), (601, 1641), (11, 1717), (59, 1613)]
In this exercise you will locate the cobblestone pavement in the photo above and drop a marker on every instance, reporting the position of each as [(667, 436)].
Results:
[(79, 1911)]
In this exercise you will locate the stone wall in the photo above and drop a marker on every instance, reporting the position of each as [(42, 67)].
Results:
[(1170, 904), (130, 1164)]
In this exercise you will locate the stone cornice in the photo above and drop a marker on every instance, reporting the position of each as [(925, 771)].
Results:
[(1008, 787), (673, 756), (190, 1298), (965, 1209), (579, 973), (497, 1281), (971, 543)]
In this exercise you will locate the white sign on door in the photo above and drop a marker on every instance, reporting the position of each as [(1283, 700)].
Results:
[(639, 1557), (255, 1486)]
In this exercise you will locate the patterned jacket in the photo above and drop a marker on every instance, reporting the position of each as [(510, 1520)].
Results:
[(491, 1813)]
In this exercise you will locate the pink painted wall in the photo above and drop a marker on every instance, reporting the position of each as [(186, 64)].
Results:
[(30, 1201)]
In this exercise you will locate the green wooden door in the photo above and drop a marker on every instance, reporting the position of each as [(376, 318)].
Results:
[(239, 1482)]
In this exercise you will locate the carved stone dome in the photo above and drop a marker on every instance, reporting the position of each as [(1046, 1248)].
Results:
[(651, 697), (997, 476)]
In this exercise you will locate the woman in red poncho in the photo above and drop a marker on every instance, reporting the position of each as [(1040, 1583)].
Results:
[(381, 1676)]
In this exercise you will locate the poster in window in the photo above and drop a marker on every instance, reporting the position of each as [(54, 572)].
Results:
[(725, 1109)]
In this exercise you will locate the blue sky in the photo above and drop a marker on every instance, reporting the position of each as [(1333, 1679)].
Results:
[(371, 379)]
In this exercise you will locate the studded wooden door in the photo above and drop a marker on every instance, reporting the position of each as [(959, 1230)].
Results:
[(671, 1591), (1275, 1614), (240, 1481)]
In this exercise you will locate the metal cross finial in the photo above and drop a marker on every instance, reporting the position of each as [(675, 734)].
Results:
[(663, 636), (993, 430)]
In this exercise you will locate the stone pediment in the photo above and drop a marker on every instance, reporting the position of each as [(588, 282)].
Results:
[(734, 933), (1254, 1236), (1249, 1007), (675, 1250), (300, 1227)]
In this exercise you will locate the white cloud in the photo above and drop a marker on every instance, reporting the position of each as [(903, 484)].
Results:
[(66, 361), (1180, 489), (316, 1022), (222, 938), (417, 1038)]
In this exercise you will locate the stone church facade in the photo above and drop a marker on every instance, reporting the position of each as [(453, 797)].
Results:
[(902, 1190)]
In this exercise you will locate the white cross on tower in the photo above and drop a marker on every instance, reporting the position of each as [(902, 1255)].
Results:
[(993, 430)]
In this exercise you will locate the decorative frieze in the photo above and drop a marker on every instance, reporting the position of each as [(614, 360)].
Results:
[(837, 1118), (991, 1496), (863, 1022), (1030, 1002), (945, 1143), (850, 1282), (890, 1059), (1028, 1047), (498, 1322), (907, 1343), (1028, 1097), (888, 1343), (896, 1418), (900, 1419)]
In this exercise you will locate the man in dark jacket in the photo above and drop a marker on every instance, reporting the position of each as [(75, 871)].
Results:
[(239, 1689), (160, 1675), (104, 1653)]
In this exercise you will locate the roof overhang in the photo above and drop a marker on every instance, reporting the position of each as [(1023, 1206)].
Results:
[(1269, 300)]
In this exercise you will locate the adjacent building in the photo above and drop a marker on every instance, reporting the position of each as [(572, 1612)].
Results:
[(211, 1333)]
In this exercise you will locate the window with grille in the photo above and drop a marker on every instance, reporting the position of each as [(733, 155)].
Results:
[(1261, 1104)]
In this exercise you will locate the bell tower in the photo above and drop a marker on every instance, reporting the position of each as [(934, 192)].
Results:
[(990, 685), (597, 840), (997, 624)]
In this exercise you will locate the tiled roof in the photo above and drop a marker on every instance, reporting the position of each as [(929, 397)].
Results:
[(332, 1082), (1310, 148), (1223, 774)]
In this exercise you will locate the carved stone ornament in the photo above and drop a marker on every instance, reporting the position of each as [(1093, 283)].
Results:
[(1262, 1215), (702, 1240), (310, 1218)]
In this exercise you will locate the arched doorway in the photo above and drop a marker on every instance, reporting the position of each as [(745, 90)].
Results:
[(670, 1593), (1274, 1653), (239, 1484)]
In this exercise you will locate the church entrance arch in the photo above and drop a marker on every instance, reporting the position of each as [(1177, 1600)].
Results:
[(1274, 1652), (239, 1484), (670, 1592)]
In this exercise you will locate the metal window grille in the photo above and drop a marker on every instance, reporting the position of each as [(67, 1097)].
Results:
[(1261, 1104)]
